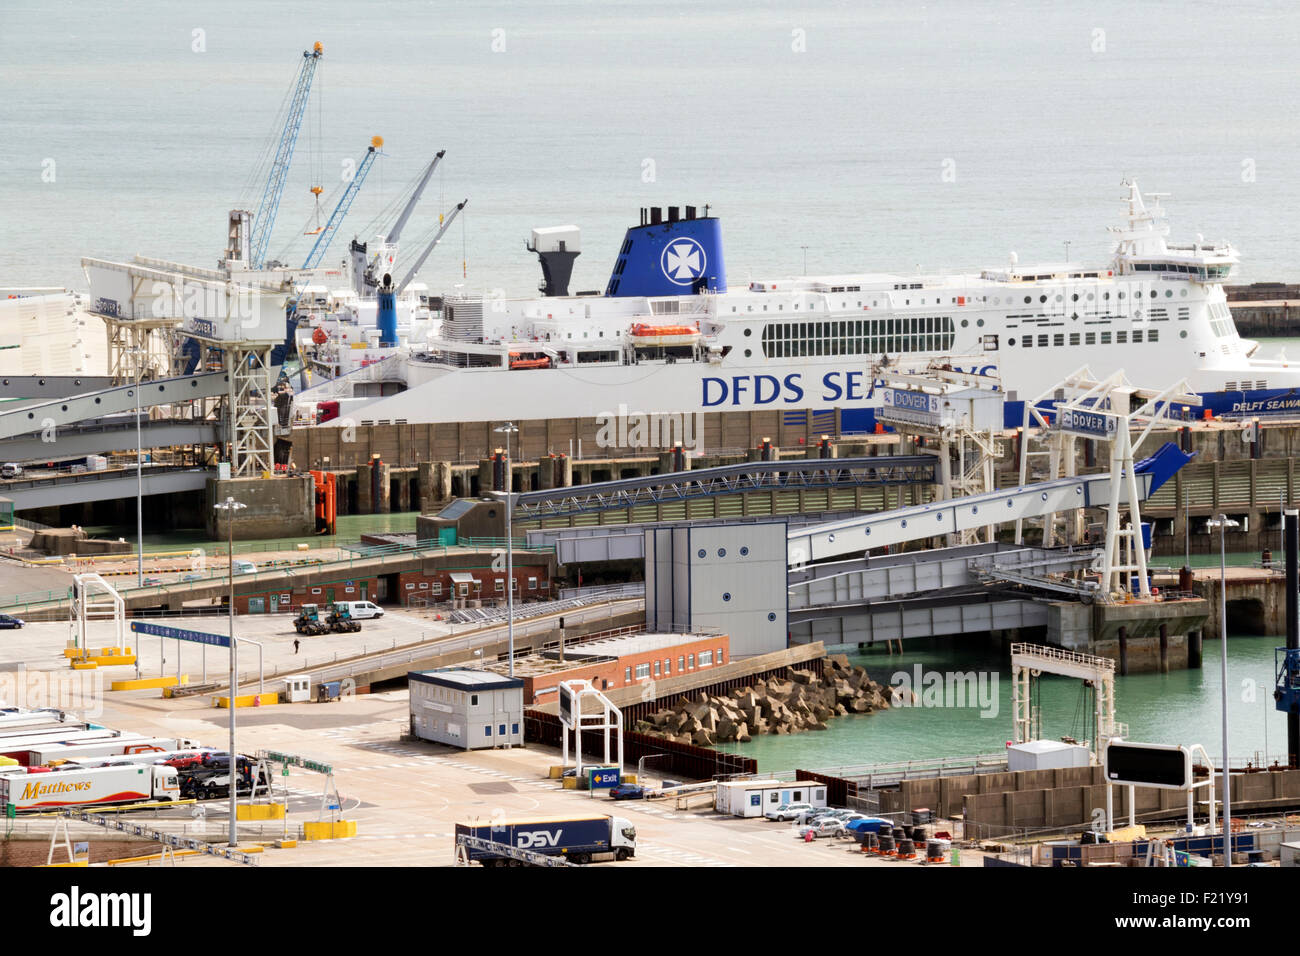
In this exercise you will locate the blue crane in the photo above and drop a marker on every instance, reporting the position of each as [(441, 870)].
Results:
[(336, 217), (264, 220)]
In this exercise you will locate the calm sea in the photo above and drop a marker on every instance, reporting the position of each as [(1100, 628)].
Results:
[(885, 136)]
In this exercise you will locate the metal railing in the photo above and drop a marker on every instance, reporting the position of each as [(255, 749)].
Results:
[(333, 668)]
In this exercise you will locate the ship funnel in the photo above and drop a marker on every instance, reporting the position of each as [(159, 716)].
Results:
[(670, 255), (556, 248), (386, 319)]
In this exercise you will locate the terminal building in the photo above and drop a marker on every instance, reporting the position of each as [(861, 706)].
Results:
[(471, 709)]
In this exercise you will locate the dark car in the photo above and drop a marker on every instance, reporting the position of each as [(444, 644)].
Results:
[(628, 791), (9, 621)]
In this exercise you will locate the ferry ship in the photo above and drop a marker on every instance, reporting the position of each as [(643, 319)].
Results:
[(668, 336)]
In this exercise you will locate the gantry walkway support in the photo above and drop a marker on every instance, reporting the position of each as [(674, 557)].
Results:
[(1028, 661)]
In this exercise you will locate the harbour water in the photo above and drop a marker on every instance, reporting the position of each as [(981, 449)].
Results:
[(882, 136), (1181, 707)]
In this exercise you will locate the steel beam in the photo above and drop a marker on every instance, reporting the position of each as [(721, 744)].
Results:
[(78, 408)]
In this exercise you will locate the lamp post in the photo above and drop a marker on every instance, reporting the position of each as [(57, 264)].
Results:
[(230, 506), (138, 355), (1223, 523), (508, 429)]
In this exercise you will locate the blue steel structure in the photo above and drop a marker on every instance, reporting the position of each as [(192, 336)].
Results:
[(264, 219), (345, 203)]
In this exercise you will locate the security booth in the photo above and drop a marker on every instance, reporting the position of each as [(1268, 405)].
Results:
[(754, 798), (470, 709), (297, 688)]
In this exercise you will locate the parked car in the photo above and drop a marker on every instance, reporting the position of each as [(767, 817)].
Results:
[(812, 813), (788, 811), (825, 827), (11, 469), (10, 622), (628, 791), (193, 577)]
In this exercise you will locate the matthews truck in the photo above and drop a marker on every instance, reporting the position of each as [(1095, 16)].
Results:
[(579, 839), (88, 786)]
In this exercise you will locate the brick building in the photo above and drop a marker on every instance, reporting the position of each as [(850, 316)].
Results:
[(620, 661)]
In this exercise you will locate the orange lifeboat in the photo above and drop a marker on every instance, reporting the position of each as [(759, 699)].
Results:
[(517, 360), (663, 335), (319, 335)]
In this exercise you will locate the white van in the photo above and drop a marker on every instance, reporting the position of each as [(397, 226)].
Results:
[(362, 610), (245, 567)]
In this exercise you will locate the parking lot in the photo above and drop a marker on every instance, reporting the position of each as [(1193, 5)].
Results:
[(407, 797)]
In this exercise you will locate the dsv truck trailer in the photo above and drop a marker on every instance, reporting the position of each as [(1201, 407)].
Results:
[(580, 839), (90, 786)]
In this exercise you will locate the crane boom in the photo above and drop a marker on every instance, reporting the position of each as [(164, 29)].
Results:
[(429, 248), (336, 217), (264, 220), (396, 232)]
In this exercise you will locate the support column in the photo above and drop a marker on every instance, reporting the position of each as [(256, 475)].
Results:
[(1194, 650), (1123, 651), (1164, 649)]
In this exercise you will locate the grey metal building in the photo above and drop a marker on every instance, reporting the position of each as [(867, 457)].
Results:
[(470, 709)]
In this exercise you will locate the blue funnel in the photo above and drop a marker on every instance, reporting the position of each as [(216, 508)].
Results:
[(673, 257), (387, 316)]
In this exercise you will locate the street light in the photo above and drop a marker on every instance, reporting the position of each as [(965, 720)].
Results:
[(138, 354), (230, 506), (1223, 523), (509, 429)]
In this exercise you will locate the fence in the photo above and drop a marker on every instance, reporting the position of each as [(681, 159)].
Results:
[(680, 760)]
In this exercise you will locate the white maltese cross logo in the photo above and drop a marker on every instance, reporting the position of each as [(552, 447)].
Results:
[(683, 261)]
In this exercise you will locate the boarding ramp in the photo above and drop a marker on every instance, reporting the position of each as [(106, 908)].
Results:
[(109, 435), (66, 489), (890, 528), (626, 542), (60, 413), (895, 576), (924, 616), (787, 475)]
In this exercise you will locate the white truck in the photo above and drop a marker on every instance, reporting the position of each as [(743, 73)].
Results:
[(88, 787), (43, 754)]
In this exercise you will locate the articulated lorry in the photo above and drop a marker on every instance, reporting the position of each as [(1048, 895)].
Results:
[(580, 839), (87, 787)]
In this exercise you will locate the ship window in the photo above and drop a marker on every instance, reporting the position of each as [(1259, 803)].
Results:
[(1074, 338), (1121, 295), (1058, 339), (1028, 341), (1011, 341), (1169, 293), (1075, 297), (1121, 338), (1042, 341), (1105, 338), (1027, 300), (1137, 336), (1182, 334), (1042, 298), (1153, 335), (1153, 293)]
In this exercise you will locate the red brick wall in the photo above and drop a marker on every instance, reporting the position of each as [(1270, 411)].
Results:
[(615, 671)]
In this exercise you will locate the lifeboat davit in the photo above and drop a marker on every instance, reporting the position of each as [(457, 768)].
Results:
[(533, 361), (663, 335)]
